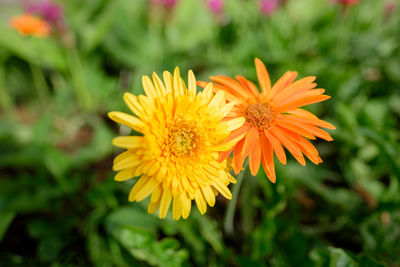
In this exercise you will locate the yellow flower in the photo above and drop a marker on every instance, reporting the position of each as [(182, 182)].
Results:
[(176, 156)]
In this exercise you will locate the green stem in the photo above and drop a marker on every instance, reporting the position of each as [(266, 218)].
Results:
[(78, 79), (230, 212), (5, 100), (39, 82)]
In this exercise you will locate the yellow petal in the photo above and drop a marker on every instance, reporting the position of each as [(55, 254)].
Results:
[(178, 90), (146, 189), (226, 109), (177, 207), (124, 175), (128, 120), (218, 99), (207, 93), (165, 203), (126, 160), (128, 141), (167, 81), (208, 195), (139, 184), (223, 189), (156, 195), (133, 104), (123, 156), (183, 85), (200, 202), (235, 123), (153, 206), (187, 202), (148, 87), (192, 83), (159, 84)]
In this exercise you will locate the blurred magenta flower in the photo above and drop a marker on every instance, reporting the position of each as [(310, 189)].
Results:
[(267, 7), (216, 6), (390, 7), (47, 10), (170, 3), (347, 2), (165, 3)]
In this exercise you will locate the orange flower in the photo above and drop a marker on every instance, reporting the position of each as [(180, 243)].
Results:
[(30, 25), (274, 119)]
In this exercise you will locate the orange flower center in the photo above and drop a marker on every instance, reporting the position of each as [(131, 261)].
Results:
[(183, 139), (259, 115)]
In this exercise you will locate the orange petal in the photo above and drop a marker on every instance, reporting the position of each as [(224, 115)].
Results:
[(291, 91), (296, 129), (255, 158), (202, 84), (263, 76), (289, 144), (316, 131), (235, 87), (315, 121), (224, 154), (298, 86), (228, 93), (308, 149), (302, 102), (301, 95), (238, 132), (250, 140), (284, 81), (238, 159), (277, 146), (251, 88), (267, 158), (302, 112)]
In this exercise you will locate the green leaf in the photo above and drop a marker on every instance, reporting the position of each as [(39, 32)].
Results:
[(133, 216), (332, 257), (94, 34), (337, 257), (136, 230), (5, 220), (45, 52), (192, 26)]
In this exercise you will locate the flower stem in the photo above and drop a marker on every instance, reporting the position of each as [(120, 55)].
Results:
[(230, 212)]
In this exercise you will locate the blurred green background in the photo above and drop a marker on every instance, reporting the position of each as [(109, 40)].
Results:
[(59, 205)]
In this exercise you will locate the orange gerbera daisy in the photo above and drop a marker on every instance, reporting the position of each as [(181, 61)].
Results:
[(27, 24), (274, 119)]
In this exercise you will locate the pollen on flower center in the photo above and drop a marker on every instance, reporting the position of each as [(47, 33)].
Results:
[(183, 139), (259, 115)]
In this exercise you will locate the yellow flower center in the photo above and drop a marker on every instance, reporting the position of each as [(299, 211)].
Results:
[(259, 115), (183, 139)]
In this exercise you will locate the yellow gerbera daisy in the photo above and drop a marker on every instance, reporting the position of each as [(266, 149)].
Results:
[(177, 155)]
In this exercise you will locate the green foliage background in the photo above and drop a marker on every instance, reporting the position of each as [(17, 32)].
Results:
[(59, 205)]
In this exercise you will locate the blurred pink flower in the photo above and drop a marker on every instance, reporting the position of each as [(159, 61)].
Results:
[(267, 7), (347, 2), (390, 7), (165, 3), (216, 6), (47, 10), (170, 3)]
